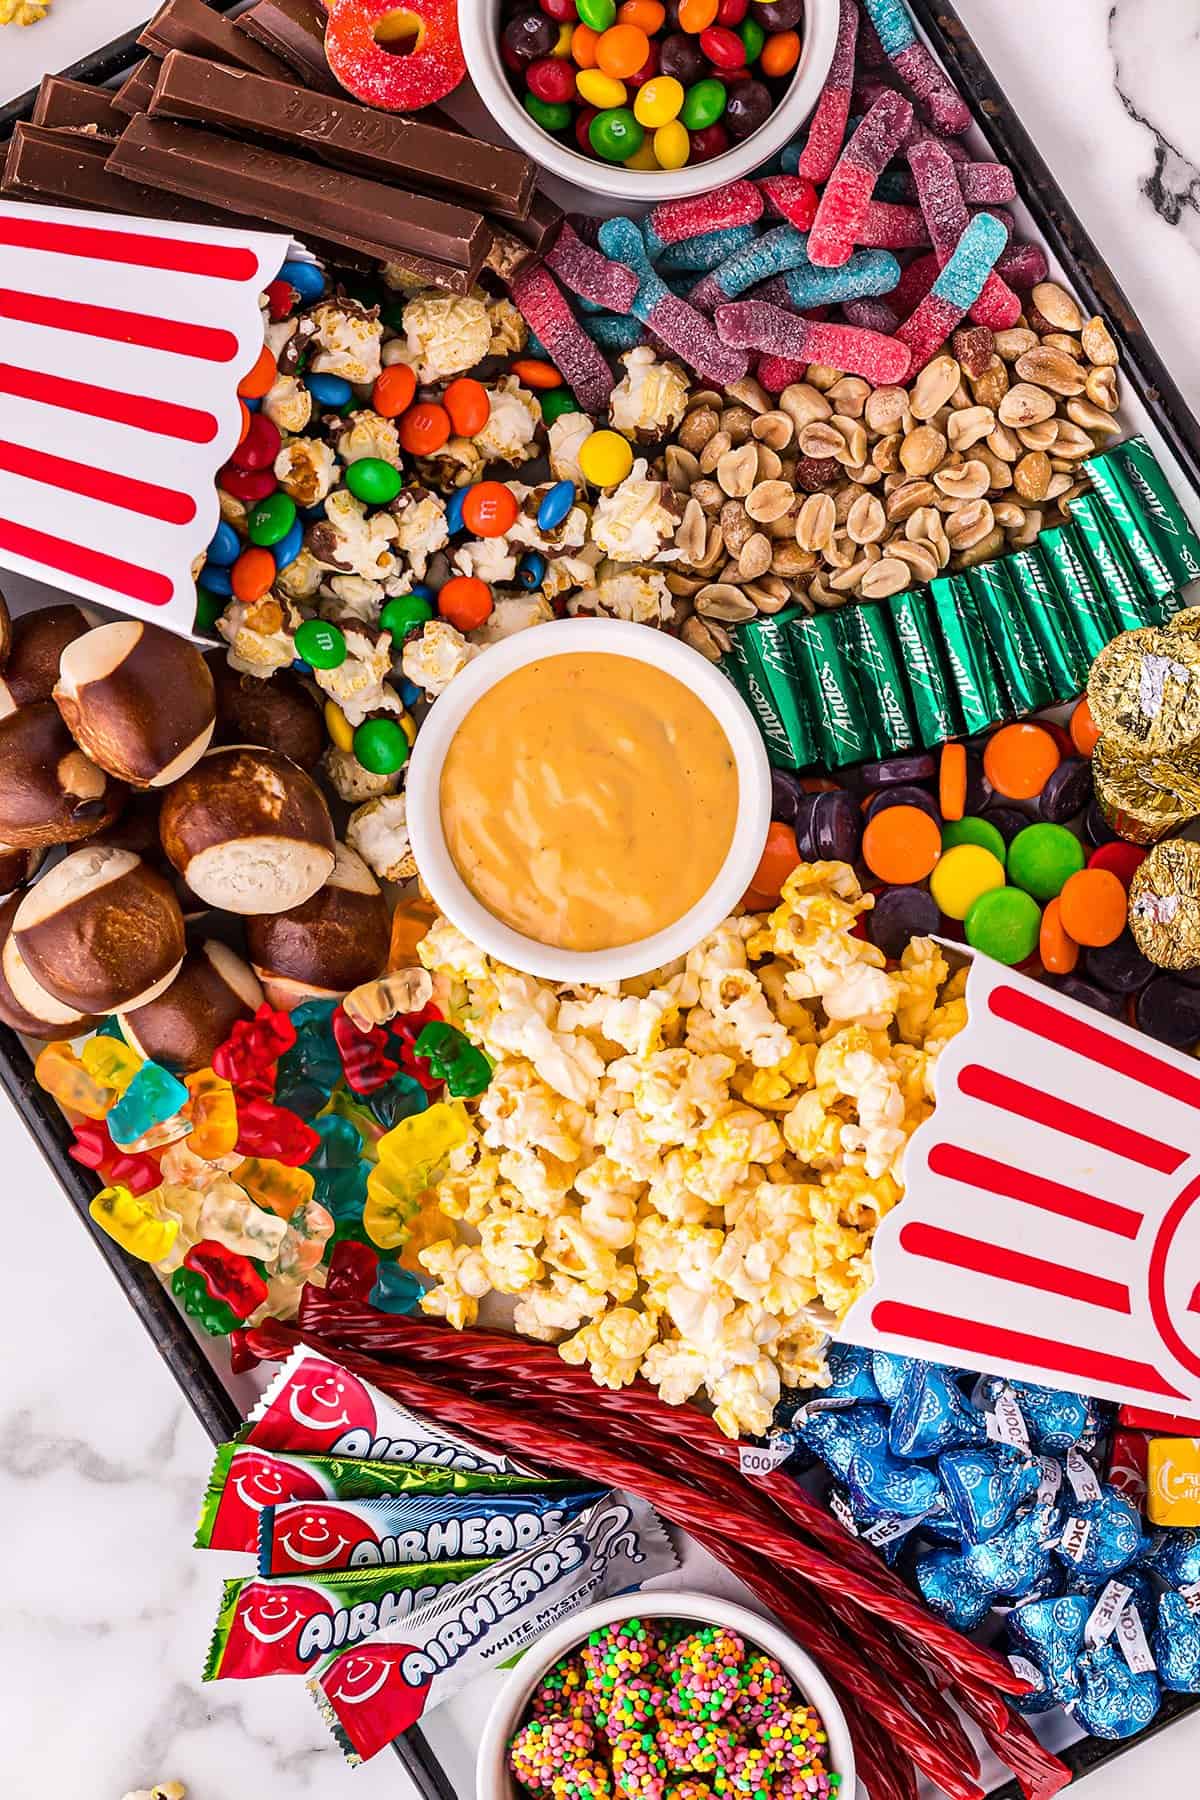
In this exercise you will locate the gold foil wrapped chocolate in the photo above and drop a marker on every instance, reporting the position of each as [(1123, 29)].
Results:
[(1144, 691), (1133, 799), (1164, 905), (1184, 624)]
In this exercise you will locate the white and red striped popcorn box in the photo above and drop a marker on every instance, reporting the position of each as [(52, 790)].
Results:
[(122, 343), (1050, 1228)]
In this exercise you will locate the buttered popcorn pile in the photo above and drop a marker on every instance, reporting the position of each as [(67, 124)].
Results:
[(681, 1176)]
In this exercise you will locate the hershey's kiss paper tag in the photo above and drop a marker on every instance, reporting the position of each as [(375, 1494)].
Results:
[(887, 1530), (840, 1508), (762, 1459), (1102, 1621), (1021, 1666), (1190, 1595), (1051, 1481), (1131, 1635), (1074, 1541), (1005, 1422), (1082, 1477)]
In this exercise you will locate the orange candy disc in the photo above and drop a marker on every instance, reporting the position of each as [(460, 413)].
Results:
[(1094, 907), (952, 781), (780, 856), (1019, 760), (901, 844), (1059, 952)]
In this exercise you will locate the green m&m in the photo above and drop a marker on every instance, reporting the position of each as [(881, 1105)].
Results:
[(753, 38), (615, 134), (270, 521), (373, 481), (598, 14), (703, 104), (320, 645), (381, 746), (405, 613), (556, 402)]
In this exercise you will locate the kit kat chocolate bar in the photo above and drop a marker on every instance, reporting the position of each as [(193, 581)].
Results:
[(66, 167), (74, 106), (435, 240), (192, 26), (344, 134), (133, 95), (294, 31)]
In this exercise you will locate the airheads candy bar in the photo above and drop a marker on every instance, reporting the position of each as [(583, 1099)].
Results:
[(303, 1536), (369, 1694), (283, 1627), (246, 1478), (315, 1405)]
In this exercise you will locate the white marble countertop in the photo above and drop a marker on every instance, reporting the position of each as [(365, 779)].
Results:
[(107, 1609)]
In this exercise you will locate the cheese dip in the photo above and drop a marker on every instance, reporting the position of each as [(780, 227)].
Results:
[(589, 800)]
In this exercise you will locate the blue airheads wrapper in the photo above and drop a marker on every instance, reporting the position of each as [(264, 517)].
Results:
[(930, 1414), (1176, 1642), (984, 1487)]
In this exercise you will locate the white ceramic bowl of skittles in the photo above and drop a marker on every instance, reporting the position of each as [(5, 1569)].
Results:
[(480, 24), (588, 799), (492, 1778)]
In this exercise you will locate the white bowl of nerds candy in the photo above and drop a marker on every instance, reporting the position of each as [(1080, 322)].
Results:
[(494, 1778), (481, 23)]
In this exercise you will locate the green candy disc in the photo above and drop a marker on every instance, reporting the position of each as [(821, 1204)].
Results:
[(373, 481), (381, 746), (975, 831), (209, 607), (1042, 858), (270, 521), (320, 645), (405, 613), (753, 37), (1004, 923), (598, 14), (556, 402), (615, 134), (703, 104), (551, 115)]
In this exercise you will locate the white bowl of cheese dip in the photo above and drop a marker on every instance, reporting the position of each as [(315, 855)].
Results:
[(588, 799)]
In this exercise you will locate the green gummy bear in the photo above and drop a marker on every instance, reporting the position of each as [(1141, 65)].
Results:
[(211, 1315)]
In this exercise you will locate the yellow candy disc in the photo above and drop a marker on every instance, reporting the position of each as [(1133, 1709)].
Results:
[(338, 726), (672, 145), (599, 89), (961, 875), (605, 458), (408, 726), (562, 45), (643, 157), (658, 102)]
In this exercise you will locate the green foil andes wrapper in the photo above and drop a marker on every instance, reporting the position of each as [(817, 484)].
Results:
[(1048, 617), (286, 1625), (1162, 512), (767, 640), (977, 692), (372, 1692), (1022, 668), (1129, 602), (934, 715), (246, 1477), (1164, 905), (1144, 692), (833, 692), (865, 636), (1089, 611), (1133, 806), (787, 748), (1128, 523)]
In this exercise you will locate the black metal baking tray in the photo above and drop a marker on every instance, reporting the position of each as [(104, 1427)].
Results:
[(1065, 235)]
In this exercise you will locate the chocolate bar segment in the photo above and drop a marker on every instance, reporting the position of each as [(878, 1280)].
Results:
[(74, 106), (67, 168), (133, 95), (344, 134), (192, 26), (434, 240), (294, 31)]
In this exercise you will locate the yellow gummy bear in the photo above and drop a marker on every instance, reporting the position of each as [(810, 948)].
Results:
[(111, 1062), (410, 1157), (133, 1224), (274, 1185), (59, 1071)]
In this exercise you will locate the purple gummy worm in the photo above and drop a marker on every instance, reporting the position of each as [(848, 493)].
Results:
[(848, 191), (689, 334), (871, 315), (936, 176), (827, 132), (737, 203), (543, 305), (587, 273), (941, 102), (1023, 266), (757, 325)]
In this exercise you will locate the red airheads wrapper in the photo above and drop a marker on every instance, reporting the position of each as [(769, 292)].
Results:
[(315, 1405), (246, 1478), (1127, 1455), (304, 1536)]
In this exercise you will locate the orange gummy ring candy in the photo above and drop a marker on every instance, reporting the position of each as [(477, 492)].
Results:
[(1058, 950), (952, 781), (1019, 760), (901, 844), (1094, 907), (367, 65)]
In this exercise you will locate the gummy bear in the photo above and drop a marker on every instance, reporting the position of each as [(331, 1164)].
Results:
[(336, 1166), (153, 1097), (377, 1002), (395, 1290), (410, 922), (94, 1148), (365, 1061), (229, 1216), (229, 1277), (403, 1096), (132, 1224), (409, 1158), (59, 1071), (308, 1231), (274, 1185), (110, 1061), (311, 1069), (352, 1271), (267, 1130), (249, 1055), (213, 1112), (465, 1070), (191, 1291)]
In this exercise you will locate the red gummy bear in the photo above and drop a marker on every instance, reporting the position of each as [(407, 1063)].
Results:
[(352, 1271), (363, 1054), (380, 69), (248, 1057), (94, 1148), (408, 1028), (272, 1131), (228, 1276)]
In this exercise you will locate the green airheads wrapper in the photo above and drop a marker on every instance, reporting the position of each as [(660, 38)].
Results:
[(1049, 619), (1129, 602), (1072, 575), (1164, 517), (915, 632), (1128, 523), (832, 689), (977, 693), (864, 634), (1010, 638)]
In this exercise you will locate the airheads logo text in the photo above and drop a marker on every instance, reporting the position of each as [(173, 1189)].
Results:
[(362, 1619), (359, 1442), (488, 1607), (449, 1539)]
